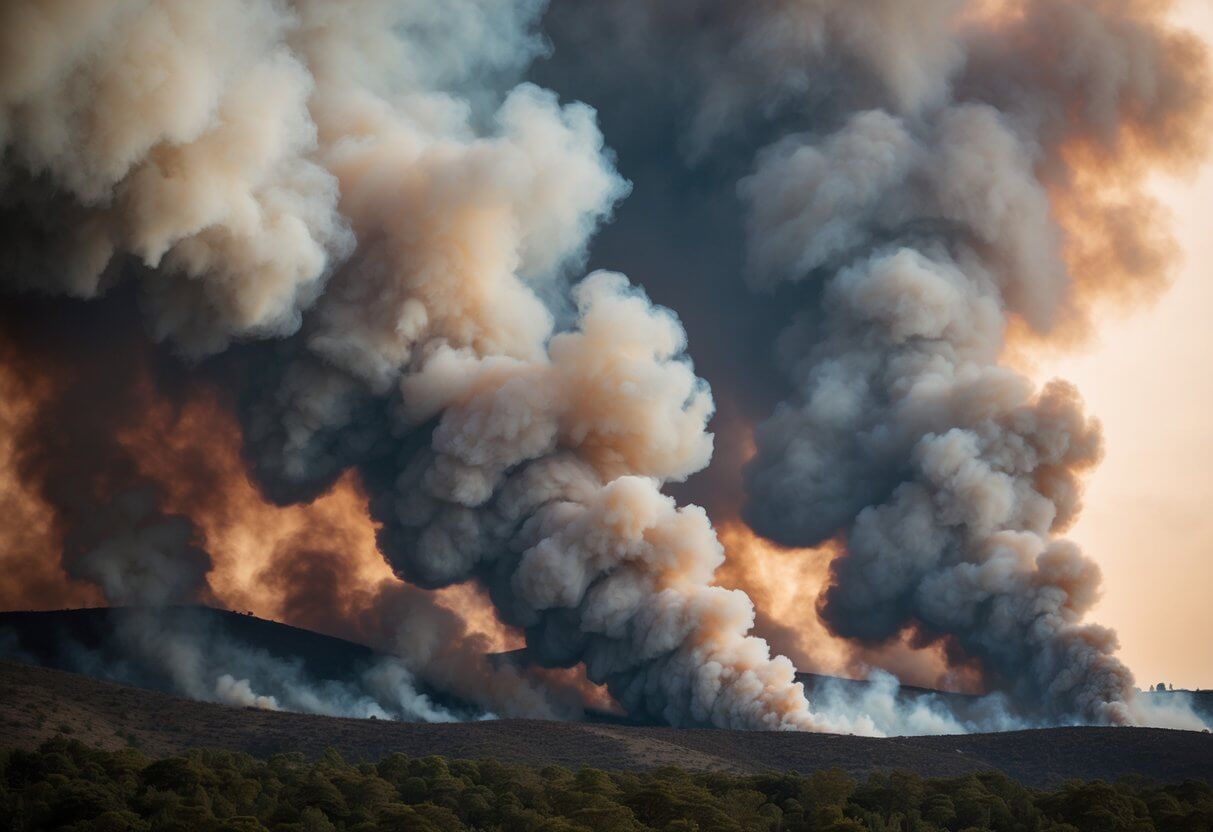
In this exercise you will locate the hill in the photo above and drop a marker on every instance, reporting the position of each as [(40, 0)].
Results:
[(216, 655), (61, 638), (38, 703), (113, 644)]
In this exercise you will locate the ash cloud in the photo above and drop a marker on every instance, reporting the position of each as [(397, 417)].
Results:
[(370, 182), (72, 451), (367, 223), (120, 482), (947, 475), (919, 184)]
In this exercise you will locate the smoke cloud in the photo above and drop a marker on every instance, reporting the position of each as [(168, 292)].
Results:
[(361, 227), (123, 479), (531, 434), (72, 455), (947, 476), (922, 186)]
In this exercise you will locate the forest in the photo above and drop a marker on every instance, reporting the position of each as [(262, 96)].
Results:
[(66, 785)]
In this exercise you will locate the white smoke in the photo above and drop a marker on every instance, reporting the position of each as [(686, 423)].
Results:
[(879, 708), (543, 477), (192, 656), (231, 691)]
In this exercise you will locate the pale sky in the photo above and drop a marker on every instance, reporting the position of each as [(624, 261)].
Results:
[(1148, 520)]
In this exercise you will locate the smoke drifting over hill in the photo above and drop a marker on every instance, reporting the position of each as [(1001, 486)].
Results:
[(355, 235)]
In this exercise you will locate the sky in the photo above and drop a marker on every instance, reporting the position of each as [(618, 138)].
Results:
[(1148, 520)]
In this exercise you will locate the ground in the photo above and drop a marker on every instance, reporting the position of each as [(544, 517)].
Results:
[(38, 703)]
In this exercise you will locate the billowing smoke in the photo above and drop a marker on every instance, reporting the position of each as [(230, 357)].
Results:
[(923, 184), (364, 227), (69, 449), (120, 480), (202, 662), (929, 230), (363, 180)]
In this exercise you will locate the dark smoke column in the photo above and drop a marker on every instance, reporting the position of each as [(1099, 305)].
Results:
[(921, 181), (930, 231)]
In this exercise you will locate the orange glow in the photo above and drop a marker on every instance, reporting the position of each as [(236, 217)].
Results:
[(248, 537), (34, 577), (989, 14), (587, 695), (1118, 243), (474, 607), (193, 451), (785, 583)]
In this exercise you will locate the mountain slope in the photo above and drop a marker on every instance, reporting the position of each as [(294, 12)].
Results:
[(38, 703), (111, 644), (56, 638)]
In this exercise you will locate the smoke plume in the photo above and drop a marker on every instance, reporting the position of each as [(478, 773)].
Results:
[(928, 230), (364, 181), (923, 183), (355, 234)]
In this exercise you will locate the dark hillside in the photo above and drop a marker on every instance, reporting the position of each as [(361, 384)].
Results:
[(60, 638), (37, 704), (97, 642)]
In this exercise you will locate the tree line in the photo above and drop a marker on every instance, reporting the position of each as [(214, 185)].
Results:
[(66, 785)]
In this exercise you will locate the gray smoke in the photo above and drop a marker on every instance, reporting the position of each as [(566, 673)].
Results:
[(369, 181), (426, 639), (143, 557), (925, 181), (930, 230), (188, 652), (371, 185)]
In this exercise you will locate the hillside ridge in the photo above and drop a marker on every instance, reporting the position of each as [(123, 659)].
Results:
[(37, 704)]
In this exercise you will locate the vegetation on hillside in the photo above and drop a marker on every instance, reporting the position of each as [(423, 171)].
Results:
[(65, 785)]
